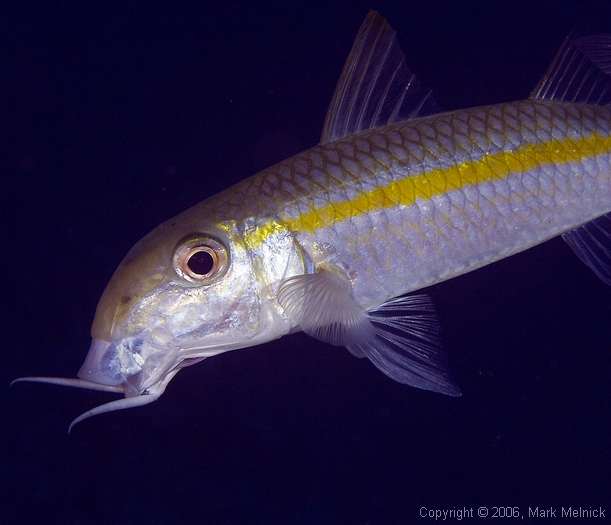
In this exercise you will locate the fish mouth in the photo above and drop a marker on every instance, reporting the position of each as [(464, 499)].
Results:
[(112, 364), (92, 369)]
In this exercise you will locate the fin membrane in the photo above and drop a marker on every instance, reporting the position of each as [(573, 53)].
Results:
[(324, 308), (598, 49), (407, 346), (375, 87), (592, 244), (580, 72)]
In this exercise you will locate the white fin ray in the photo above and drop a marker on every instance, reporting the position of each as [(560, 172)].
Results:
[(322, 305), (592, 244), (375, 87), (579, 72), (407, 346)]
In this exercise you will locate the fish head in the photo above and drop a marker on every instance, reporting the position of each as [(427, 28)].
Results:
[(181, 294), (190, 289)]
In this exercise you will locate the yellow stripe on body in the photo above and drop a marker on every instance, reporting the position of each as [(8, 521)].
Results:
[(496, 166)]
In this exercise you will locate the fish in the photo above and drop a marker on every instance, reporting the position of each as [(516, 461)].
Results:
[(397, 196)]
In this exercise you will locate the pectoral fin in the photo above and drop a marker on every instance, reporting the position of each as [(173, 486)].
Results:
[(324, 308), (400, 337)]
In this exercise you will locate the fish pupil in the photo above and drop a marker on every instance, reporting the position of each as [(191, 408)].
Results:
[(201, 263)]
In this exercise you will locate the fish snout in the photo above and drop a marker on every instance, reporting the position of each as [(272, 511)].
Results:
[(110, 363)]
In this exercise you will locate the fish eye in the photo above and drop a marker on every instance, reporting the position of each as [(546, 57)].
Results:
[(202, 262), (200, 259)]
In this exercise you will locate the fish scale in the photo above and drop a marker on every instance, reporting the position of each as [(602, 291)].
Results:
[(439, 203)]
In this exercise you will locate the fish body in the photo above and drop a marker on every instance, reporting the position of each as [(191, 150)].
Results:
[(411, 204), (396, 197)]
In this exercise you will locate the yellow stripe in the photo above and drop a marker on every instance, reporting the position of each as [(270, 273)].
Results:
[(496, 166), (404, 192)]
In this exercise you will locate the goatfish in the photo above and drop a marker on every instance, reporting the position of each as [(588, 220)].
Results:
[(397, 196)]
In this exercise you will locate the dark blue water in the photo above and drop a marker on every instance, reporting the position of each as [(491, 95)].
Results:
[(113, 119)]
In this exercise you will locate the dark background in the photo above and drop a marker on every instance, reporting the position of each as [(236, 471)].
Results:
[(114, 117)]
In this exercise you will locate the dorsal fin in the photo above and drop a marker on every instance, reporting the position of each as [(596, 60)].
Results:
[(376, 87), (580, 72)]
